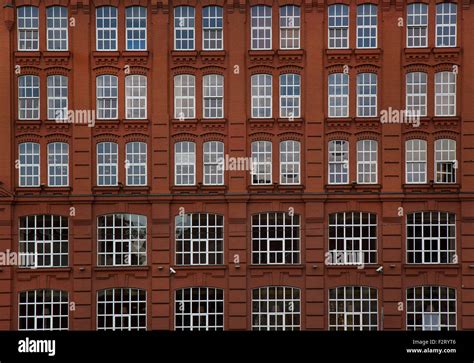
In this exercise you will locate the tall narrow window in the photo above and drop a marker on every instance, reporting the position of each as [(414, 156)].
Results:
[(290, 94), (185, 163), (445, 161), (135, 22), (57, 97), (338, 162), (58, 164), (367, 26), (121, 240), (415, 159), (199, 239), (445, 94), (199, 308), (107, 164), (338, 26), (290, 24), (338, 101), (28, 97), (290, 162), (446, 20), (184, 97), (184, 28), (213, 163), (417, 25), (212, 28), (121, 309), (261, 96), (135, 163), (29, 168), (213, 96), (43, 310), (367, 162), (57, 24), (431, 237), (106, 28), (28, 28), (276, 308), (107, 97), (261, 27), (353, 308), (261, 162), (275, 238), (135, 96), (416, 88), (366, 95)]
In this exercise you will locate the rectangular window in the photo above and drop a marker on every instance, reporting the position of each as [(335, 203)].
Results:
[(58, 164), (184, 28), (261, 27), (338, 26), (417, 25), (28, 31), (213, 163), (338, 162), (445, 94), (135, 163), (199, 309), (446, 20), (212, 28), (28, 97), (367, 162), (415, 158), (338, 101), (43, 310), (366, 95), (185, 163), (416, 88), (29, 168), (261, 162), (261, 96), (213, 96), (107, 97), (290, 24), (57, 97), (121, 309), (107, 164), (445, 161), (290, 94), (184, 97), (57, 32), (135, 97), (366, 26), (289, 162), (135, 22), (106, 28)]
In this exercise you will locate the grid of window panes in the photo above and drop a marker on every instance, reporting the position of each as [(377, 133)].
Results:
[(261, 162), (57, 24), (58, 164), (276, 308), (261, 96), (445, 94), (106, 28), (275, 238), (290, 24), (431, 237), (121, 309), (338, 89), (431, 308), (44, 239), (213, 96), (199, 239), (57, 97), (43, 310), (416, 89), (290, 162), (416, 161), (367, 161), (338, 162), (185, 163), (445, 161), (184, 96), (136, 169), (353, 308), (367, 26), (366, 95), (352, 238), (290, 95), (107, 97), (184, 28), (27, 24), (446, 19), (121, 240), (135, 22), (338, 26), (199, 308), (417, 25), (261, 23), (212, 28), (28, 97), (107, 163), (213, 160), (135, 96), (29, 168)]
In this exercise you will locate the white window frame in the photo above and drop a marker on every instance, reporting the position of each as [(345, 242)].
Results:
[(367, 16), (338, 95), (290, 95), (290, 160), (106, 14), (57, 94), (184, 96), (184, 20), (290, 27), (445, 93), (136, 15), (444, 11), (136, 163), (261, 27), (213, 163), (367, 158), (213, 96), (53, 303), (136, 97), (29, 157), (338, 161), (28, 24), (58, 164), (107, 97), (212, 28), (445, 158), (417, 22), (107, 160), (29, 97), (185, 150), (338, 26), (416, 93), (416, 156), (261, 162), (58, 15), (262, 95), (367, 95)]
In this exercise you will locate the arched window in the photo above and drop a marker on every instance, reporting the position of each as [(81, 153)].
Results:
[(43, 310)]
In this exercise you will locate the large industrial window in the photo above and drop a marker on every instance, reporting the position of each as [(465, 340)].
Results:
[(446, 19), (43, 310), (199, 308), (29, 167), (290, 162), (28, 28), (338, 26), (212, 28), (28, 97), (445, 94), (106, 28), (213, 96), (417, 25), (338, 162), (353, 308), (276, 308), (135, 97), (184, 28), (445, 161), (415, 161), (184, 96), (121, 309), (57, 97), (185, 163), (213, 163), (261, 96), (290, 94), (261, 162), (338, 99), (416, 91), (107, 97), (290, 25), (135, 163), (261, 31), (275, 238), (135, 22), (431, 308), (107, 164), (367, 26), (199, 239), (57, 24), (366, 161), (58, 164), (366, 95)]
